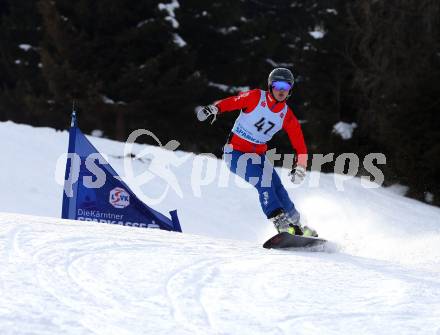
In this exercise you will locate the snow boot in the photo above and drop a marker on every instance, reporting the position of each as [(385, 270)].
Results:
[(285, 223), (309, 232), (294, 218)]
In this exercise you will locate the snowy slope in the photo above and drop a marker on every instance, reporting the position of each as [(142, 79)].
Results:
[(74, 278), (381, 275)]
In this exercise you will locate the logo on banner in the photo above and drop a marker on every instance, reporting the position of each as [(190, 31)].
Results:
[(119, 198)]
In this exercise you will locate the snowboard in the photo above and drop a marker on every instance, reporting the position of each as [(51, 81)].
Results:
[(286, 240)]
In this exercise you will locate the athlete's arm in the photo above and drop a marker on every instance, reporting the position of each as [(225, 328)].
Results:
[(293, 129), (245, 101)]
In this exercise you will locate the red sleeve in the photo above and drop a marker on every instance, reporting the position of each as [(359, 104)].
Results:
[(245, 101), (293, 129)]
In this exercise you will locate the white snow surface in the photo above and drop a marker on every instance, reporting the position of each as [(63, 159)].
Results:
[(109, 101), (332, 11), (230, 89), (318, 33), (227, 30), (278, 64), (179, 41), (379, 275), (170, 8), (25, 47), (344, 130)]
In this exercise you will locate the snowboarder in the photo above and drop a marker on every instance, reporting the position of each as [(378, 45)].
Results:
[(263, 113)]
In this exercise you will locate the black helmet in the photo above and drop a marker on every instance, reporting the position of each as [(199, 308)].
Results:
[(280, 74)]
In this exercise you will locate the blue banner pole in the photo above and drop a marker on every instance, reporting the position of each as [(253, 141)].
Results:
[(175, 220), (70, 150)]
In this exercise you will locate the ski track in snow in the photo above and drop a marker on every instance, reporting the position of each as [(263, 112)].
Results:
[(75, 278), (380, 274)]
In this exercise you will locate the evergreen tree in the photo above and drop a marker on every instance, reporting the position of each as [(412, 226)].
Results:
[(118, 60), (147, 64), (22, 87), (396, 47)]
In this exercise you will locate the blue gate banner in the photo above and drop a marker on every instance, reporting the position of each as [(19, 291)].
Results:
[(93, 191)]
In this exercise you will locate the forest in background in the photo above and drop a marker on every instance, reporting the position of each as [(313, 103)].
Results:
[(146, 64)]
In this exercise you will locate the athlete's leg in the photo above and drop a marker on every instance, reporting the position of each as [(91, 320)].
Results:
[(250, 167), (288, 205)]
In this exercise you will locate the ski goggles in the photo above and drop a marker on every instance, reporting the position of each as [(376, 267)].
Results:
[(282, 85)]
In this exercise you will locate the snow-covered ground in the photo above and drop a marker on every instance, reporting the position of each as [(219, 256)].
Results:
[(380, 275)]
